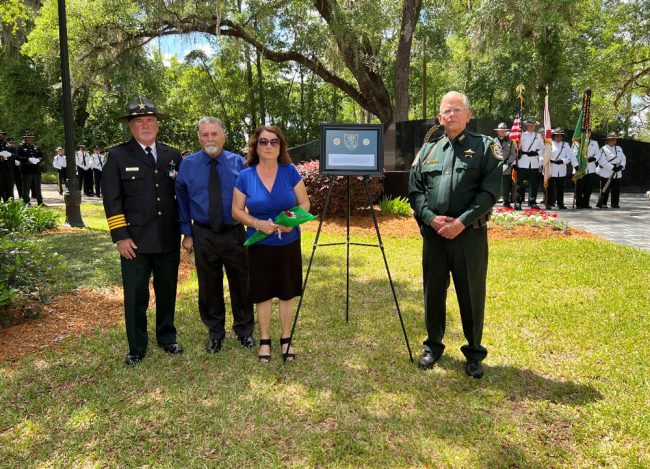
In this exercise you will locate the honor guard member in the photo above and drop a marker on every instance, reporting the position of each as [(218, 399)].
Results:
[(97, 164), (7, 165), (140, 206), (453, 185), (31, 160), (204, 191), (584, 185), (611, 164), (560, 157), (59, 162), (84, 162), (509, 153), (530, 161)]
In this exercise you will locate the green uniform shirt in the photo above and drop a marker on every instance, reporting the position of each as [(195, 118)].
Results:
[(476, 169)]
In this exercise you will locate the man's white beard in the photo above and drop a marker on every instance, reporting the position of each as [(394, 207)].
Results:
[(211, 149)]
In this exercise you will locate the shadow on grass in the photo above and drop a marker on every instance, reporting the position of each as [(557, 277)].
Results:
[(523, 385)]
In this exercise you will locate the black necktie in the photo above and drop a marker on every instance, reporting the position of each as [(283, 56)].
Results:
[(150, 154), (83, 156), (214, 189)]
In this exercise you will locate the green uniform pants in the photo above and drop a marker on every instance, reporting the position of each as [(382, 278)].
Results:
[(135, 280), (466, 258)]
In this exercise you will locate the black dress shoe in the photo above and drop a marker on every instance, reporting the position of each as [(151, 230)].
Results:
[(213, 346), (247, 341), (562, 207), (427, 360), (474, 369), (133, 358), (173, 348), (615, 206)]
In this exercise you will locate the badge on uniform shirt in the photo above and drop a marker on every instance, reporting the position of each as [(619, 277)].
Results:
[(496, 151), (136, 168), (432, 162), (469, 153)]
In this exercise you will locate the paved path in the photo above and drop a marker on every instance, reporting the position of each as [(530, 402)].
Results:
[(629, 225)]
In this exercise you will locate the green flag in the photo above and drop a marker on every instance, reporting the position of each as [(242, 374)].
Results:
[(293, 217), (581, 135)]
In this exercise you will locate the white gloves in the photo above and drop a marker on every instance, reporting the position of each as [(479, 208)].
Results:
[(33, 160)]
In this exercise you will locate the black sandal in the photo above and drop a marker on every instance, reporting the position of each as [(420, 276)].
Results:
[(288, 356), (265, 358)]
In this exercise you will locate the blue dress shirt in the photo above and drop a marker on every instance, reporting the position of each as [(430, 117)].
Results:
[(265, 205), (192, 183)]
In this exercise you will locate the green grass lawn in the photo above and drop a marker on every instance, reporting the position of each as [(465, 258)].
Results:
[(566, 376)]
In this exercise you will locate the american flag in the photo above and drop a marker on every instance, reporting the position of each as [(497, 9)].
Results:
[(515, 131)]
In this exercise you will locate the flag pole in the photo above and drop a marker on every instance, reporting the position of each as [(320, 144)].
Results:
[(520, 88)]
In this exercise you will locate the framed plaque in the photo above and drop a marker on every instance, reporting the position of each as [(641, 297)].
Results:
[(351, 150)]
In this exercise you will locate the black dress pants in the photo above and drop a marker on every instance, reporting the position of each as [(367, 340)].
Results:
[(136, 274), (584, 188), (532, 176), (506, 188), (6, 182), (63, 174), (32, 183), (555, 191), (614, 187), (214, 251), (97, 176), (466, 258)]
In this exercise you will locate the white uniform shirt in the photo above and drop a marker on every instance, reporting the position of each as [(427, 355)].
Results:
[(98, 161), (593, 151), (79, 159), (560, 151), (610, 156), (531, 141), (59, 162)]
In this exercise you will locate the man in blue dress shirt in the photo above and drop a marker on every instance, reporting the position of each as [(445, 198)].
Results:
[(204, 188)]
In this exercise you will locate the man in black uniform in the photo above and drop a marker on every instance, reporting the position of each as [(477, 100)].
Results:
[(7, 164), (140, 206), (453, 185), (31, 160)]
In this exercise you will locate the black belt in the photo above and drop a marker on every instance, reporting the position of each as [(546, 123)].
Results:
[(222, 229), (479, 223)]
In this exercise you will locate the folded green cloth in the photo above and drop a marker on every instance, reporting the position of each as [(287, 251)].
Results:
[(293, 217)]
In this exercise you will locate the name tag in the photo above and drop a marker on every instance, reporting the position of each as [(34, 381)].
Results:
[(132, 169), (432, 162)]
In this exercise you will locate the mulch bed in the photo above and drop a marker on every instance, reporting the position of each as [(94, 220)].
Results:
[(85, 310)]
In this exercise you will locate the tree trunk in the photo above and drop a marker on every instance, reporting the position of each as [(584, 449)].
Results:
[(410, 14)]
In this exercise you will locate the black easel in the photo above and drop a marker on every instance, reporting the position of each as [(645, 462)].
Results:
[(347, 273)]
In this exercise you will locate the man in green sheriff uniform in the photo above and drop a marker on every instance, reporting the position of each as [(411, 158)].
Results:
[(454, 183), (140, 206)]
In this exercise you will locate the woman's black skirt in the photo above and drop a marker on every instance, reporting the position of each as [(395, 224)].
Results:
[(275, 271)]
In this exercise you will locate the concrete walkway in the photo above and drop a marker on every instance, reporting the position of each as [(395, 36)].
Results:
[(629, 225)]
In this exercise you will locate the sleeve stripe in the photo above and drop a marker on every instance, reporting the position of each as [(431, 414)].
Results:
[(116, 218), (116, 222), (114, 227)]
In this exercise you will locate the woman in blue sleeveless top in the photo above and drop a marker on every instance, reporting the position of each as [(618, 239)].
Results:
[(270, 185)]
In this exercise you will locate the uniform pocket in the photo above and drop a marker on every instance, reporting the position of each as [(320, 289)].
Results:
[(132, 182)]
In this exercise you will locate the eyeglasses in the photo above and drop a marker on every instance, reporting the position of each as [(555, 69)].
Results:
[(262, 142), (453, 110)]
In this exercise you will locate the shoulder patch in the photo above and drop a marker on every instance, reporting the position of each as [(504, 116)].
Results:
[(496, 151)]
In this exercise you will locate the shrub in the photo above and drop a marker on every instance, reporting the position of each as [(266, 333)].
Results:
[(25, 267), (25, 270), (318, 186), (15, 216), (395, 205)]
